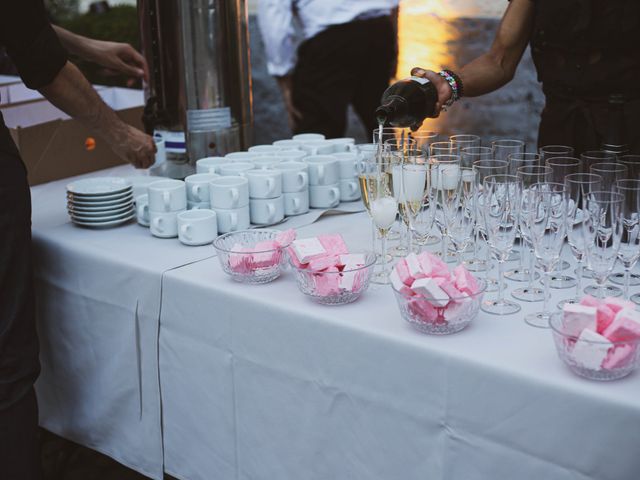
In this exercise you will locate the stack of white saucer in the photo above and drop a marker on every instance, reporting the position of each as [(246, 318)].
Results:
[(100, 202)]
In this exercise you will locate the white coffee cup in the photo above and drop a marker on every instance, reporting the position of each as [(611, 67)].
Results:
[(324, 196), (323, 169), (349, 190), (343, 144), (241, 157), (266, 211), (197, 227), (228, 192), (210, 164), (288, 144), (161, 151), (163, 224), (233, 169), (232, 220), (142, 209), (296, 203), (347, 163), (319, 147), (264, 183), (198, 186), (198, 205), (292, 155), (139, 183), (167, 196), (304, 137), (295, 176), (266, 162), (264, 149)]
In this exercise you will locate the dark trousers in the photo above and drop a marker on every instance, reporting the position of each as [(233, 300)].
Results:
[(345, 64), (19, 367)]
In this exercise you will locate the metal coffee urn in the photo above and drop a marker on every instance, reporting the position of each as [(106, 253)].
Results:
[(198, 99)]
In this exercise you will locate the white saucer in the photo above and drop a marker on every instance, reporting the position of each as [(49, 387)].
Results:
[(106, 213), (102, 219), (101, 203), (99, 186), (99, 208), (112, 223)]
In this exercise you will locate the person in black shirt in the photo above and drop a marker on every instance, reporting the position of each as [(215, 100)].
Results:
[(42, 62), (586, 56)]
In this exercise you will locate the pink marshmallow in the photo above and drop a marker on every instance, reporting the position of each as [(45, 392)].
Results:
[(397, 283), (625, 326), (619, 356), (267, 254), (432, 266), (403, 272), (333, 243), (294, 258), (617, 304), (239, 262), (322, 263), (448, 287), (423, 310), (455, 309), (414, 266), (286, 237), (589, 301), (605, 317), (327, 285), (464, 281), (575, 318)]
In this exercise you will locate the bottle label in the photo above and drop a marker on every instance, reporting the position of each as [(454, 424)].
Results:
[(420, 80)]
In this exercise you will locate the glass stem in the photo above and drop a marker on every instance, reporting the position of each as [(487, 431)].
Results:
[(532, 271), (520, 267), (374, 235), (547, 293), (500, 268), (444, 246), (579, 273), (383, 241), (627, 274), (600, 280)]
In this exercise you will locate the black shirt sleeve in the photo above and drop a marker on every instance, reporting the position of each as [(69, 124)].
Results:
[(31, 42)]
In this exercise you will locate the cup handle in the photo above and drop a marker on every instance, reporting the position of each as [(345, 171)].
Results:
[(335, 194), (271, 185), (195, 191), (304, 179), (166, 200), (320, 174), (272, 211), (185, 229), (296, 204), (157, 223), (353, 187), (235, 195), (143, 210), (234, 221)]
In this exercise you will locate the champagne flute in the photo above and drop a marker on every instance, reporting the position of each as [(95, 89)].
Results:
[(610, 173), (548, 152), (516, 161), (547, 227), (384, 208), (462, 141), (563, 166), (468, 155), (630, 244), (578, 187), (407, 191), (604, 229), (388, 133), (442, 194), (394, 151), (632, 162), (460, 214), (484, 168), (500, 212), (530, 175), (441, 148), (367, 169), (424, 139), (595, 156), (505, 147)]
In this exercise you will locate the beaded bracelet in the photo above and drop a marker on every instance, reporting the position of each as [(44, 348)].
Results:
[(455, 83)]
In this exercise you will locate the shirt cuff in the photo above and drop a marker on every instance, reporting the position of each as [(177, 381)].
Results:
[(40, 62), (280, 69)]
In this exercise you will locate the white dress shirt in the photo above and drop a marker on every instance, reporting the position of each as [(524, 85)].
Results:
[(276, 20)]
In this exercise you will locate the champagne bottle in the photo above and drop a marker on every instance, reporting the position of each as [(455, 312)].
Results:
[(407, 103)]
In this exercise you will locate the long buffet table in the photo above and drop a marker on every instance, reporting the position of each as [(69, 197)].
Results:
[(153, 356)]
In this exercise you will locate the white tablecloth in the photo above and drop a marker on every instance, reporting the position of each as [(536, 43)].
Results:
[(258, 382)]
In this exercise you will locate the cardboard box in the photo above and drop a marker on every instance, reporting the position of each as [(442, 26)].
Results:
[(5, 82), (54, 146)]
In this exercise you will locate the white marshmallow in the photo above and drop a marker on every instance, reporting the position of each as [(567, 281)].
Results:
[(576, 317), (347, 280), (307, 248), (430, 289), (352, 260), (394, 278), (629, 314), (591, 355), (414, 266)]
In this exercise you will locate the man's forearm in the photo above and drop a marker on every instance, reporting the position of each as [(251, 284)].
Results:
[(73, 94)]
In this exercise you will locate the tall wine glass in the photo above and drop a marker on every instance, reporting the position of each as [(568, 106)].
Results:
[(409, 191), (516, 161), (610, 173), (604, 229), (630, 244), (460, 214), (505, 147), (367, 167), (484, 168), (578, 187), (547, 227), (563, 166), (384, 208), (590, 157), (552, 151), (424, 139), (530, 175), (501, 210), (632, 162), (443, 194), (468, 155), (388, 133), (462, 141)]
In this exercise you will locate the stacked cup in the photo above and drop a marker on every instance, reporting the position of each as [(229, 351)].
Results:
[(324, 181), (265, 192), (349, 188), (295, 187), (210, 164), (167, 198), (229, 198), (198, 190)]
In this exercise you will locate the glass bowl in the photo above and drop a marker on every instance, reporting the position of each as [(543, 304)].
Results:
[(622, 356), (423, 315), (336, 288), (243, 262)]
